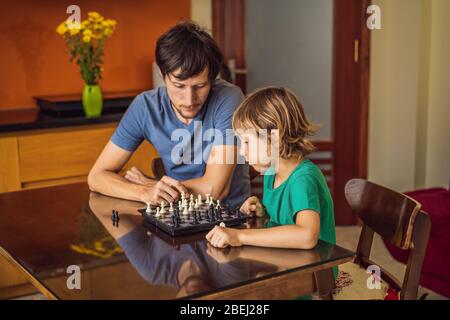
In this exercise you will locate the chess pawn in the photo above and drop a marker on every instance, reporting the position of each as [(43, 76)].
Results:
[(185, 210), (163, 207), (191, 197), (171, 208), (196, 205), (218, 205), (149, 209), (207, 198), (199, 199), (158, 213)]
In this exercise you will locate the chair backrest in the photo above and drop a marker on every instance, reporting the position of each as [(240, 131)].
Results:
[(396, 218), (158, 168), (388, 213)]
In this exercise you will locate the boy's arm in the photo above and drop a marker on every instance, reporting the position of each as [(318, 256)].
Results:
[(303, 235)]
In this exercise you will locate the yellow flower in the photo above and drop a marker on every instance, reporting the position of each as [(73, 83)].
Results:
[(86, 39), (93, 15), (62, 28), (87, 33), (74, 31)]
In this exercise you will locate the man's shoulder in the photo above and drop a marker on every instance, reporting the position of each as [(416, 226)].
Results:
[(150, 100), (225, 95), (223, 89)]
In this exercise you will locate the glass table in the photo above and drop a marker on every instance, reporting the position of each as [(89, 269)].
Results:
[(63, 240)]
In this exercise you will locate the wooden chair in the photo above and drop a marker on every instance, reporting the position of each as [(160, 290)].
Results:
[(396, 218)]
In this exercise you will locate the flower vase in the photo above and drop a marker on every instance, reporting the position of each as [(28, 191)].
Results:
[(92, 100)]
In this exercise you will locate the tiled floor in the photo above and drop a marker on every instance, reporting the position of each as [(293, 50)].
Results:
[(347, 237)]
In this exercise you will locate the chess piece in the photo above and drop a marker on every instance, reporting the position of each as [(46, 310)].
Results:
[(149, 209), (158, 213), (163, 207), (195, 218), (185, 210), (207, 198), (218, 206), (171, 208), (222, 225), (199, 199)]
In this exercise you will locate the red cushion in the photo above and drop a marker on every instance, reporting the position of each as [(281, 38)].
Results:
[(436, 266)]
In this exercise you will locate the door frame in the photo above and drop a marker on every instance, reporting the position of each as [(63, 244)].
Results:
[(350, 88)]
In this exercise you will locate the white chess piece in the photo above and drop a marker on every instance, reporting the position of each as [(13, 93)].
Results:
[(199, 199), (158, 213), (222, 224), (148, 210), (163, 207), (171, 208), (185, 210), (196, 206), (218, 205), (207, 198)]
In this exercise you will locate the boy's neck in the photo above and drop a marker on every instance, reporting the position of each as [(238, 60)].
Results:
[(285, 168)]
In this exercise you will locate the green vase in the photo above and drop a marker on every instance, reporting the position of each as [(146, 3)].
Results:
[(92, 100)]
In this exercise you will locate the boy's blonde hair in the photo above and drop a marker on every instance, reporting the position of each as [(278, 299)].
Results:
[(277, 108)]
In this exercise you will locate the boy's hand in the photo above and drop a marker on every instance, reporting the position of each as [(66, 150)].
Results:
[(221, 237), (253, 205)]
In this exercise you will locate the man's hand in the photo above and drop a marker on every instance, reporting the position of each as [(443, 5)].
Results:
[(221, 237), (253, 205), (167, 189), (136, 176)]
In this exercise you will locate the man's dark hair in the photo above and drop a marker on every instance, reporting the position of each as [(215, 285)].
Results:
[(189, 47)]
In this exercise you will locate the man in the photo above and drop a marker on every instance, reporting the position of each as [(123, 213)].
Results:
[(191, 106)]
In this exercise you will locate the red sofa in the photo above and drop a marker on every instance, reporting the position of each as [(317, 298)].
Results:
[(436, 266)]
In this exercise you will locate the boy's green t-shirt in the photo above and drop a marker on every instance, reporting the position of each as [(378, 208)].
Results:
[(305, 188)]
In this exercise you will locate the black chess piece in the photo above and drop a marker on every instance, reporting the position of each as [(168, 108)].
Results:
[(115, 218), (238, 213), (174, 220), (195, 218), (199, 216)]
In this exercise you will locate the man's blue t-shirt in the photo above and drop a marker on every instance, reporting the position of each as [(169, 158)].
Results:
[(184, 149)]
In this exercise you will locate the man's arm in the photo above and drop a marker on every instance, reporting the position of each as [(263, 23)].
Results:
[(218, 173), (104, 178)]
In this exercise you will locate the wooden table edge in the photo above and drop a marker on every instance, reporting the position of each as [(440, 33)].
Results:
[(33, 280)]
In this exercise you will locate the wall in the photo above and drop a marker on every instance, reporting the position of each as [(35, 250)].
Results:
[(289, 43), (438, 137), (201, 12), (34, 59), (409, 97)]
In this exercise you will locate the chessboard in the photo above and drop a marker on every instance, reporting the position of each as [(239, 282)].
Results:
[(188, 217)]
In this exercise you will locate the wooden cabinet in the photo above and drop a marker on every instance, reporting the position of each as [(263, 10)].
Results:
[(41, 158)]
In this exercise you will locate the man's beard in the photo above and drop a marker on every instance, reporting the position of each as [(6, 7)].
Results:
[(188, 115)]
